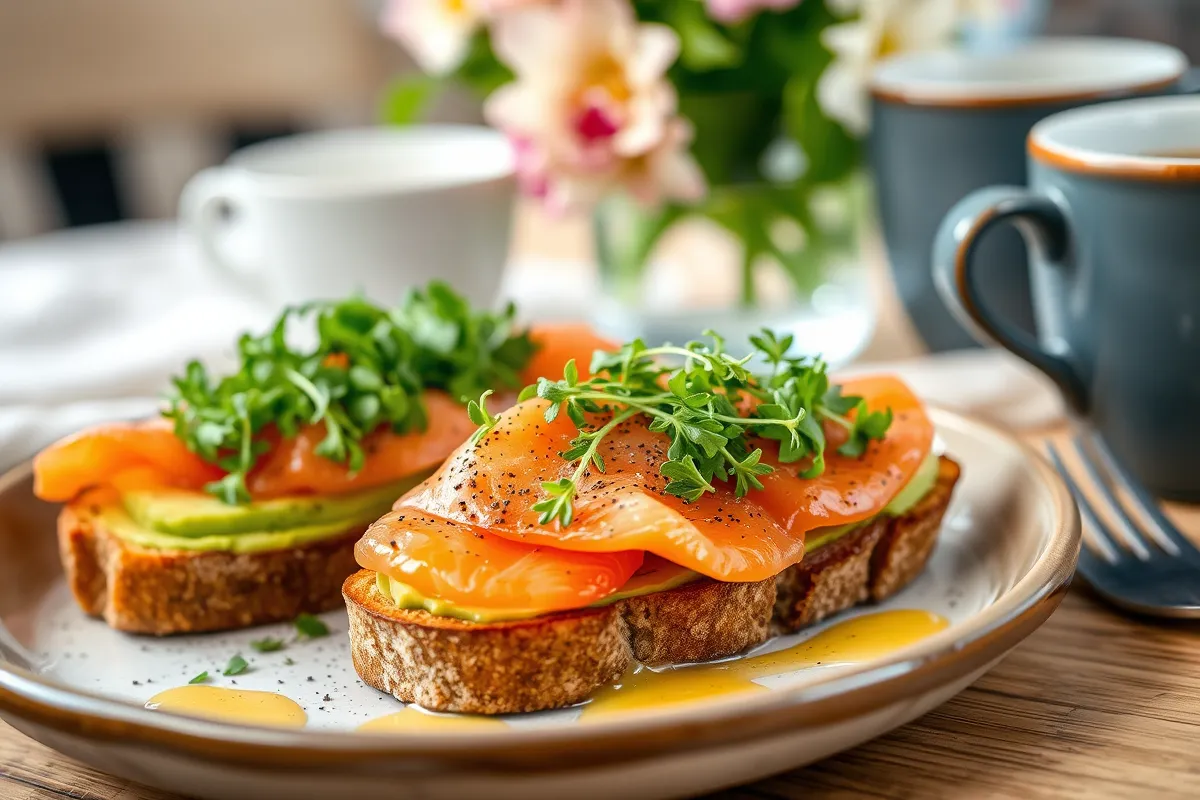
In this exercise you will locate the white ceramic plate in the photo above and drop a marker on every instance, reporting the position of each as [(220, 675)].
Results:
[(1006, 553)]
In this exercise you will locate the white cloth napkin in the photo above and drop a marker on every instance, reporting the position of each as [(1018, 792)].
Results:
[(94, 322)]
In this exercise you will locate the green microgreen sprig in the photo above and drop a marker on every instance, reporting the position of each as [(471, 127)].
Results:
[(368, 368), (709, 406)]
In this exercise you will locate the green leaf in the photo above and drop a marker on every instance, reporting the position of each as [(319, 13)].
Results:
[(407, 98), (201, 678), (310, 627), (367, 370), (267, 645), (559, 504), (686, 480), (868, 426), (747, 471), (478, 413), (703, 46), (236, 666)]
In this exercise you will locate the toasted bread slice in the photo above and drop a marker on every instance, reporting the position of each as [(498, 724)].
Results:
[(560, 659), (141, 590), (872, 563)]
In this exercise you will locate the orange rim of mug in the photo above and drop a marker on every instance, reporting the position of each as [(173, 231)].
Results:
[(1156, 168), (910, 98)]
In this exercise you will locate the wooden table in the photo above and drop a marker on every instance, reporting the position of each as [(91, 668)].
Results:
[(1093, 705)]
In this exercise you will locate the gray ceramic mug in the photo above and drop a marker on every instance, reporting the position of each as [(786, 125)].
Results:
[(1112, 221), (947, 123)]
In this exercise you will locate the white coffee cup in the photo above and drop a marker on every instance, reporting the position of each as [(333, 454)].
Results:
[(375, 210)]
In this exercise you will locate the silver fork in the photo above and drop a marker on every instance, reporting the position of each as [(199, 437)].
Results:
[(1142, 563)]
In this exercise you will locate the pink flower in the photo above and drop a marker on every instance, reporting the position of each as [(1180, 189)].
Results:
[(666, 171), (436, 33), (591, 108), (731, 11)]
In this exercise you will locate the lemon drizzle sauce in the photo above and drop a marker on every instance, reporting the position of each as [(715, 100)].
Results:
[(412, 720), (854, 641), (238, 706)]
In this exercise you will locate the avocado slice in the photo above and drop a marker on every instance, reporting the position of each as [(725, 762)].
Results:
[(192, 514), (124, 527)]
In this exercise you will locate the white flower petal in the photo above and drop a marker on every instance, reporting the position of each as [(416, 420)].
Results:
[(842, 95), (436, 36), (656, 49), (514, 109), (528, 39), (925, 24), (852, 40)]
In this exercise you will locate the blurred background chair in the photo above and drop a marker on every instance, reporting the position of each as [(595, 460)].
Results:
[(135, 96)]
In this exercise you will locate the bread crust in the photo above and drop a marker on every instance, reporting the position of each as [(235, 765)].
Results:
[(560, 659), (498, 668), (698, 621), (161, 592)]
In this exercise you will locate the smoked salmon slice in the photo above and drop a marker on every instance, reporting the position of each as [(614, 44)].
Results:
[(466, 565), (493, 484), (142, 454), (147, 454), (559, 342), (294, 468), (851, 489)]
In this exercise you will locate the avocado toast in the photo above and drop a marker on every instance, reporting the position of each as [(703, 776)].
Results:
[(596, 524), (242, 503)]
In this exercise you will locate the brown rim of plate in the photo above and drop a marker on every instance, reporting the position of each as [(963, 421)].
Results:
[(31, 701), (1149, 168), (908, 98)]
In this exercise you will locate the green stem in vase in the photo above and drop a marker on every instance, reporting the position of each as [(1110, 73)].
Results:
[(748, 256)]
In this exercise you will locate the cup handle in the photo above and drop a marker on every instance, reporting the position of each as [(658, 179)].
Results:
[(1046, 232), (206, 201)]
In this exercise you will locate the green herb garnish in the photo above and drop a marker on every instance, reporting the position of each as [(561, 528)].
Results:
[(709, 408), (201, 678), (267, 645), (310, 627), (236, 666), (368, 369), (288, 662)]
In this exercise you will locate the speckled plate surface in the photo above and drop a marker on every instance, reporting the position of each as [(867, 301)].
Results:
[(1006, 552)]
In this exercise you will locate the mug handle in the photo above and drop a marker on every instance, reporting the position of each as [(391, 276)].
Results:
[(207, 199), (1046, 232)]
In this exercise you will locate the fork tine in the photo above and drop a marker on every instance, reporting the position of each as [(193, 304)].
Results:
[(1146, 503), (1092, 566), (1102, 538), (1127, 527)]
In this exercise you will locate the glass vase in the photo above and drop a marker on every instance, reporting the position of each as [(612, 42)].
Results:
[(752, 255)]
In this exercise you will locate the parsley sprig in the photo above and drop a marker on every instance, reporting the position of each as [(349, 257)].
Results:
[(710, 406), (368, 368)]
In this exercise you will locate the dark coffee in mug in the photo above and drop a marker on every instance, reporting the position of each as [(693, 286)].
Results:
[(1115, 255)]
